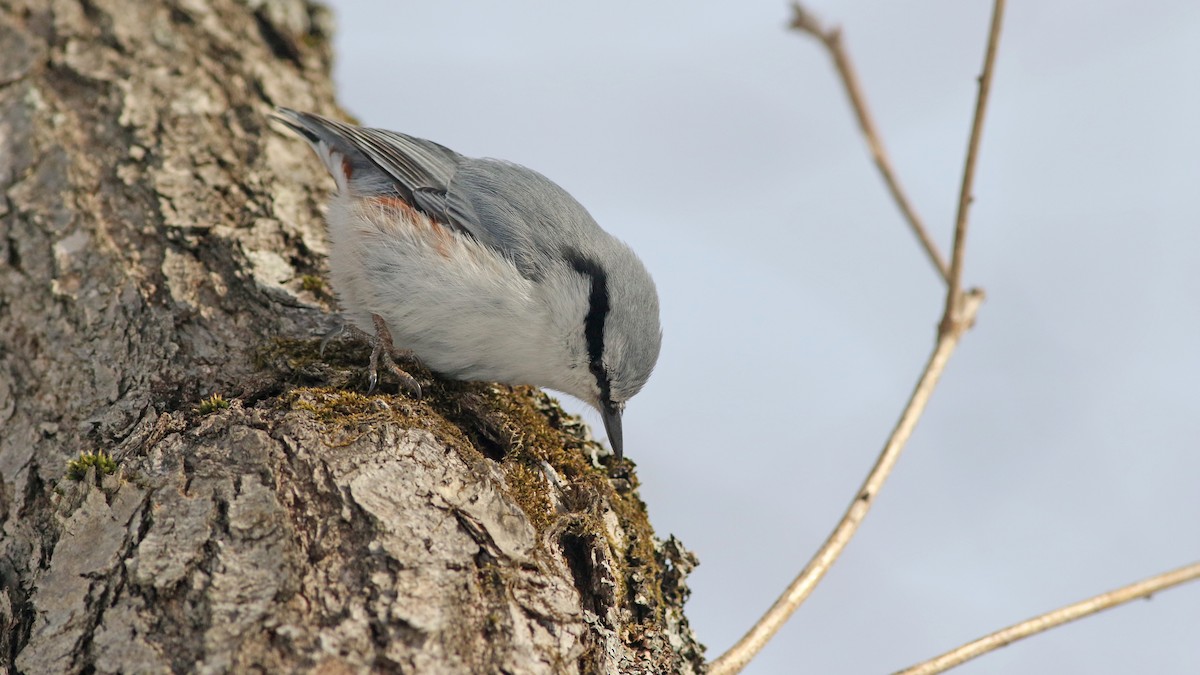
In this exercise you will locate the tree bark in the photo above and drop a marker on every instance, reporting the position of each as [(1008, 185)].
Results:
[(161, 242)]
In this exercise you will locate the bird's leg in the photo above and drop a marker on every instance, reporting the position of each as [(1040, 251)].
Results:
[(382, 350)]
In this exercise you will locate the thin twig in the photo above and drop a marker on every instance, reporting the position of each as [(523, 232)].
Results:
[(736, 658), (952, 319), (958, 316), (806, 22), (1058, 617)]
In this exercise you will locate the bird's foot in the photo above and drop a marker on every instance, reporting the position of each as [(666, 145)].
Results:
[(381, 350)]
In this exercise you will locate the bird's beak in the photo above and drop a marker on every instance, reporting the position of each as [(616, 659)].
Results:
[(611, 412)]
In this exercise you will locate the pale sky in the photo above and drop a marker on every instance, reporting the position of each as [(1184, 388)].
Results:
[(1060, 456)]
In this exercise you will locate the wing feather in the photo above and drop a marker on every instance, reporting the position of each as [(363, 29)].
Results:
[(497, 203)]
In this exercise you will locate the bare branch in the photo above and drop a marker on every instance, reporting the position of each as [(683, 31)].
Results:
[(1058, 617), (952, 318), (958, 316), (806, 22), (736, 658)]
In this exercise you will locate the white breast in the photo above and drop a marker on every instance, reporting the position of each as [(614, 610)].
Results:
[(462, 308)]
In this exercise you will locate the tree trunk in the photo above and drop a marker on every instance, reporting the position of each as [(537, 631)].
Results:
[(160, 242)]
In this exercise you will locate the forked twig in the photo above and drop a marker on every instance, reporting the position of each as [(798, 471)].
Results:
[(958, 316), (1058, 617), (805, 21)]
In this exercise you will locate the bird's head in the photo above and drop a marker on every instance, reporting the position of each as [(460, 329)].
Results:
[(617, 338)]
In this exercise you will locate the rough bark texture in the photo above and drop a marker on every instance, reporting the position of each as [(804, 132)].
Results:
[(160, 242)]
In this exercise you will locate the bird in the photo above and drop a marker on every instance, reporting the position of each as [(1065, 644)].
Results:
[(482, 269)]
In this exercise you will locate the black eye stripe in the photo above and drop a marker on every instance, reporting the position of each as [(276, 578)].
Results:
[(593, 323)]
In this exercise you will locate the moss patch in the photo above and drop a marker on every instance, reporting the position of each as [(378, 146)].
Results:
[(349, 415), (312, 283), (212, 404), (343, 365), (77, 468)]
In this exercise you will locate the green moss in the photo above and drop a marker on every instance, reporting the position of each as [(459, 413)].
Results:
[(312, 283), (527, 485), (329, 405), (301, 363), (212, 404), (313, 41), (285, 354), (349, 414), (77, 468)]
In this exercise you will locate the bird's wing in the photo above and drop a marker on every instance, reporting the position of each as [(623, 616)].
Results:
[(497, 203), (413, 163), (387, 162)]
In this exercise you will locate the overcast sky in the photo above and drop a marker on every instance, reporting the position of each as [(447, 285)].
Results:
[(1060, 456)]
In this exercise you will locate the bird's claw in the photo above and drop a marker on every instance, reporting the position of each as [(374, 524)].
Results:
[(381, 350), (334, 332)]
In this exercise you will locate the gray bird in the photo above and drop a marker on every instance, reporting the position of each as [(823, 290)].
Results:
[(483, 269)]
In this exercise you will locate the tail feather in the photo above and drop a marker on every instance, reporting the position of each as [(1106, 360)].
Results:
[(336, 161), (375, 162), (295, 120), (405, 164)]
